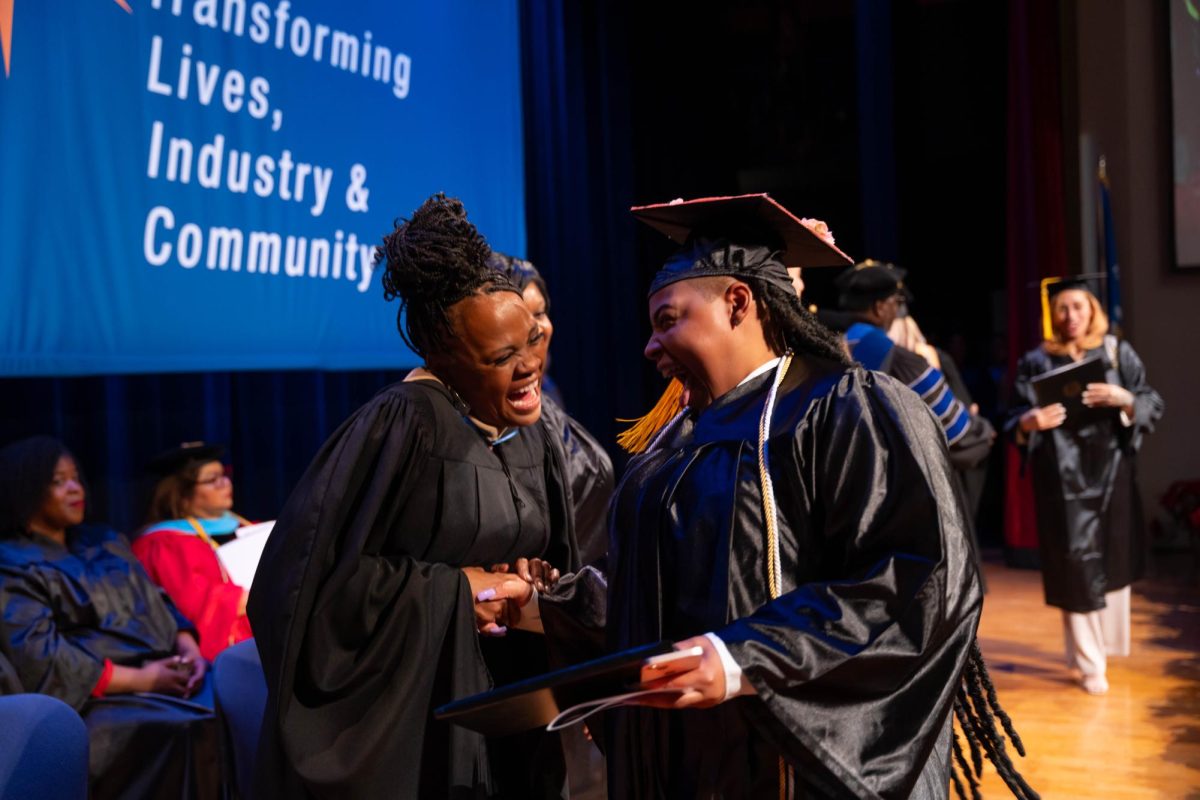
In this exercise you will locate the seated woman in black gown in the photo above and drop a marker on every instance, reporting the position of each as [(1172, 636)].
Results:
[(798, 522), (86, 624), (364, 602)]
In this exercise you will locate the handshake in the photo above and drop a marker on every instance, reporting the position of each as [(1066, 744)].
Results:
[(502, 592)]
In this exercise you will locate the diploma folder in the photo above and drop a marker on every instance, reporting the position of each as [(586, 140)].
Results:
[(535, 702), (1066, 384)]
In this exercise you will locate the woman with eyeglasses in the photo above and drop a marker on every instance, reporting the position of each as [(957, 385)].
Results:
[(191, 513)]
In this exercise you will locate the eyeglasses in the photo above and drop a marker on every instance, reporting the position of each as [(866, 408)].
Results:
[(213, 481)]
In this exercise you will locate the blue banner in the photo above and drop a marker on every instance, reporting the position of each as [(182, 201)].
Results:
[(200, 184)]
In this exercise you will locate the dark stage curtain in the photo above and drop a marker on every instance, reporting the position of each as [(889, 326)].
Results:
[(1037, 245), (578, 193)]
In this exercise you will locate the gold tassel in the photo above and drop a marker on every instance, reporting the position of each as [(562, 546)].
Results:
[(1047, 328), (638, 437)]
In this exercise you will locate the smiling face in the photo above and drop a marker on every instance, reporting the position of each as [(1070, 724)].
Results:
[(1071, 313), (212, 494), (536, 302), (694, 325), (62, 506), (495, 362)]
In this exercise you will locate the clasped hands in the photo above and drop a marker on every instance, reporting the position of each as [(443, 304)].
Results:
[(502, 591)]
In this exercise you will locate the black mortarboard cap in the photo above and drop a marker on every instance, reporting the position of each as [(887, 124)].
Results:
[(1049, 287), (868, 283), (1091, 281), (171, 461), (747, 236)]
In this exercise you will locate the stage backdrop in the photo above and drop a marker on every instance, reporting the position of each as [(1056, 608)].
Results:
[(200, 184)]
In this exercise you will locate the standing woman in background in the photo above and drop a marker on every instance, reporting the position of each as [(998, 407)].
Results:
[(190, 514), (1089, 514)]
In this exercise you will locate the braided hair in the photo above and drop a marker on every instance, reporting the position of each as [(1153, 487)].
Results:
[(788, 325), (431, 261), (976, 709)]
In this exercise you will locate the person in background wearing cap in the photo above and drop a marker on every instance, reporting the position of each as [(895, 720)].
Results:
[(1089, 516), (796, 521), (191, 512), (871, 294), (85, 624)]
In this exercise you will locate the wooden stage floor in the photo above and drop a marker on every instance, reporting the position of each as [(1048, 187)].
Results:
[(1142, 739)]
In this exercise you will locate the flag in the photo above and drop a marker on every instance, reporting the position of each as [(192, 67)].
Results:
[(1108, 250)]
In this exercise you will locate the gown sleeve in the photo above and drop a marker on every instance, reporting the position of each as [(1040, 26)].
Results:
[(1023, 399), (856, 672), (188, 571), (1148, 405), (47, 661), (358, 638), (589, 477)]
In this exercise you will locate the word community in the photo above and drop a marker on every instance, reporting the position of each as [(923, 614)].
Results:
[(256, 252)]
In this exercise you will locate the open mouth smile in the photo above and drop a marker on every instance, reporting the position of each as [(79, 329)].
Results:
[(527, 398)]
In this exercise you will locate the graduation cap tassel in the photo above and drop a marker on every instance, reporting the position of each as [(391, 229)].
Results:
[(638, 437), (1047, 329)]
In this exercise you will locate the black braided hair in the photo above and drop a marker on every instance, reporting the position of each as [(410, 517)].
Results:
[(431, 261), (976, 707), (789, 325)]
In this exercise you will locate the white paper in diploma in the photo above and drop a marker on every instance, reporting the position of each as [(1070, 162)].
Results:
[(240, 556)]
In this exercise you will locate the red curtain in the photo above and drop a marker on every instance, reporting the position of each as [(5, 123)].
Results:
[(1036, 221)]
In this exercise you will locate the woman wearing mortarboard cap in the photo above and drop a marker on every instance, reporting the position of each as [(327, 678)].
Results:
[(797, 521), (191, 512), (1089, 516)]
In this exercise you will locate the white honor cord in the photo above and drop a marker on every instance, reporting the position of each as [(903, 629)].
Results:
[(771, 514), (666, 429)]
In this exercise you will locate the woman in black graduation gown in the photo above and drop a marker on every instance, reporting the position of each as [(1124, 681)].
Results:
[(834, 593), (85, 624), (364, 606), (1089, 515)]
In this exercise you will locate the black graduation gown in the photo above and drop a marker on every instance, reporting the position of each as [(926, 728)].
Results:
[(1091, 531), (856, 664), (66, 610), (589, 476), (365, 621)]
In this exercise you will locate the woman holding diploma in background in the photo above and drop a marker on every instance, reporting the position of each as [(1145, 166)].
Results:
[(364, 604), (1089, 515), (798, 522)]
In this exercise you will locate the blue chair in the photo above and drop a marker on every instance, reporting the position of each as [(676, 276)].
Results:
[(43, 749), (241, 694)]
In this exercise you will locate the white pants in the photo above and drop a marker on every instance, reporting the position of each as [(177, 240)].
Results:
[(1092, 637)]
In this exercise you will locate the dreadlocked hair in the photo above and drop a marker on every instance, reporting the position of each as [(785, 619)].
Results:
[(431, 261), (790, 326), (976, 709)]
